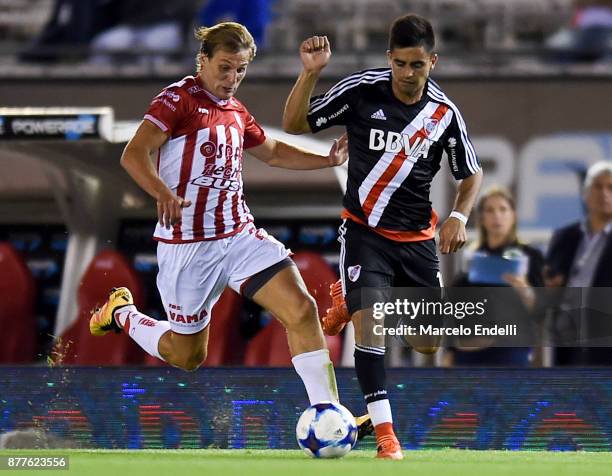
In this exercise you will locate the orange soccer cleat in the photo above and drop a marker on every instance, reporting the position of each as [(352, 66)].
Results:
[(102, 319), (387, 444), (389, 448), (337, 316)]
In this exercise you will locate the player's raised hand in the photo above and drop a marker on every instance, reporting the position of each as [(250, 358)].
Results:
[(315, 53), (452, 235), (338, 154), (169, 208)]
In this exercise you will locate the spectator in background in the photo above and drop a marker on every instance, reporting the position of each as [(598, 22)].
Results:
[(111, 27), (589, 38), (497, 229), (155, 28), (254, 14), (580, 256), (70, 28)]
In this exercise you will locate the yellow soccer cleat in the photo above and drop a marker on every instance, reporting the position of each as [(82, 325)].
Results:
[(364, 426), (102, 319)]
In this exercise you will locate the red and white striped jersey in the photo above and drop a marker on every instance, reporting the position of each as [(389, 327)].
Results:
[(202, 159)]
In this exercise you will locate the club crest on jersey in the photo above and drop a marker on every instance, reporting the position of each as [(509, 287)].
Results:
[(354, 272), (430, 125)]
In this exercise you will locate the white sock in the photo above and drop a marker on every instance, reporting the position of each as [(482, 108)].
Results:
[(317, 373), (143, 329), (380, 412)]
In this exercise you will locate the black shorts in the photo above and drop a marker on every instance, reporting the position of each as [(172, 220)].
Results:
[(369, 260)]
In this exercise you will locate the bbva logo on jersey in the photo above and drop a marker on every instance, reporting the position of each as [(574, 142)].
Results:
[(394, 142)]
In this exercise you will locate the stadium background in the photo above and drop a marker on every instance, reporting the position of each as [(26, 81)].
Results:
[(536, 114)]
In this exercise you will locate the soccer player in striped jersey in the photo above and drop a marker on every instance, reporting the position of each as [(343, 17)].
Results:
[(206, 236), (399, 123)]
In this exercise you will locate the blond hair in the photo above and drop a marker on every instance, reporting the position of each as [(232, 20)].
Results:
[(501, 192), (229, 36)]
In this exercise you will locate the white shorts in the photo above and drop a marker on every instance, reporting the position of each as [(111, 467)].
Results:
[(192, 276)]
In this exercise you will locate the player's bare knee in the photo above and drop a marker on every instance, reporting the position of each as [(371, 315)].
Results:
[(302, 313), (190, 361), (193, 365), (194, 361)]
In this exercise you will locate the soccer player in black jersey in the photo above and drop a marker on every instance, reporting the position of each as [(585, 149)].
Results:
[(399, 123)]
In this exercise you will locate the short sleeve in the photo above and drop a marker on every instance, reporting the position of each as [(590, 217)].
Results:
[(461, 154), (167, 110), (333, 108), (254, 135)]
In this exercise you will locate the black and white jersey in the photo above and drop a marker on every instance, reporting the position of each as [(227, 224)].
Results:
[(394, 149)]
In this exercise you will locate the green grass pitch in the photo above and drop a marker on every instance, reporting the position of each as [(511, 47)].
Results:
[(295, 463)]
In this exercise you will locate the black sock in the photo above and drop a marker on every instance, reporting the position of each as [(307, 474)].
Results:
[(370, 368)]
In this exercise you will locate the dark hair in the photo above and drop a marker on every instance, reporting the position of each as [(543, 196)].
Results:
[(411, 31)]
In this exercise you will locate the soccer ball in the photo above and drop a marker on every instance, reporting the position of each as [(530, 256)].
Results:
[(326, 430)]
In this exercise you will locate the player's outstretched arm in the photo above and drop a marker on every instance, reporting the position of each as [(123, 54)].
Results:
[(452, 232), (136, 161), (315, 53), (286, 156)]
